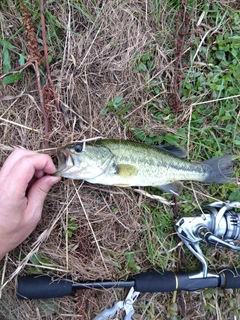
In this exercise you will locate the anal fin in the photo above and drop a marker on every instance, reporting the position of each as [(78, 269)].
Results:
[(172, 187)]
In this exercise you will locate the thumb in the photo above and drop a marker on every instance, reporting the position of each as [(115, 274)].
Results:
[(38, 192)]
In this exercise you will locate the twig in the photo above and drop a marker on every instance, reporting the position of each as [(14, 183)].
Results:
[(43, 106), (18, 69), (18, 124), (50, 83), (176, 86), (215, 100), (3, 273), (155, 197)]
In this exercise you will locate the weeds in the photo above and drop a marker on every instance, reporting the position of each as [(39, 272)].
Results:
[(8, 48), (39, 263), (118, 109), (71, 227), (131, 264), (143, 62)]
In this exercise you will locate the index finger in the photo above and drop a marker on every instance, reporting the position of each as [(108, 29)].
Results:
[(14, 158), (24, 169)]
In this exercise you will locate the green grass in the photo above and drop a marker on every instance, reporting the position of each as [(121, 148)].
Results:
[(158, 225)]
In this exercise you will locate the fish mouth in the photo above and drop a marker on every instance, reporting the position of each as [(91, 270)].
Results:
[(65, 161)]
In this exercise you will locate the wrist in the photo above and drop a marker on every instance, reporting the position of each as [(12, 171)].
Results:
[(6, 247)]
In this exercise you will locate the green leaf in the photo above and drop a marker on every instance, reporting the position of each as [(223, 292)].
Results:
[(103, 112), (38, 259), (142, 67), (135, 69), (131, 264), (47, 307), (6, 60), (170, 138), (125, 108), (32, 270), (73, 226), (234, 196), (21, 60), (237, 142), (220, 55), (117, 102), (6, 44), (12, 78), (35, 259), (139, 134)]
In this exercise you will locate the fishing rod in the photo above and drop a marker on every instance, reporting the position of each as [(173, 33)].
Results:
[(218, 225), (42, 287)]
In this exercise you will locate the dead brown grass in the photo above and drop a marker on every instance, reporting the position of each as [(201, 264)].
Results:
[(99, 46)]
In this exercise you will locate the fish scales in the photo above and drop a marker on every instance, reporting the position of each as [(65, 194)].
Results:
[(156, 163), (128, 163)]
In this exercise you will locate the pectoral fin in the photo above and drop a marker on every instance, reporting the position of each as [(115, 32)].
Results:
[(173, 187), (126, 170)]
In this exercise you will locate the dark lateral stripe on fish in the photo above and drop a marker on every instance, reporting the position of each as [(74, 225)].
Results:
[(187, 166)]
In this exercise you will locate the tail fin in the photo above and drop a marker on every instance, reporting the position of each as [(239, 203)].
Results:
[(219, 170)]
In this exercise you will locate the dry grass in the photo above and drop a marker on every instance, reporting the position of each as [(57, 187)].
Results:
[(99, 45)]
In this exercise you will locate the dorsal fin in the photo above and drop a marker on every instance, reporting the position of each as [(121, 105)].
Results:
[(176, 151)]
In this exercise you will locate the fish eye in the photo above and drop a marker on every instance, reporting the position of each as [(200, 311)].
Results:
[(78, 148)]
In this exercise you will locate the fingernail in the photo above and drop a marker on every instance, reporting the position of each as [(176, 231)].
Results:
[(55, 180)]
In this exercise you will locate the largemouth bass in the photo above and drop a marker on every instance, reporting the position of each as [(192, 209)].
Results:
[(128, 163)]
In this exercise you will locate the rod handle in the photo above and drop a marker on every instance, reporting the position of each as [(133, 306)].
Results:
[(230, 279), (41, 287), (169, 281), (154, 281)]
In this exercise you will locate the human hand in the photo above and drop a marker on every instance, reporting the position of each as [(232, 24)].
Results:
[(23, 189)]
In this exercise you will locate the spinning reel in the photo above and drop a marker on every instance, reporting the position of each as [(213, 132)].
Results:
[(218, 225)]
